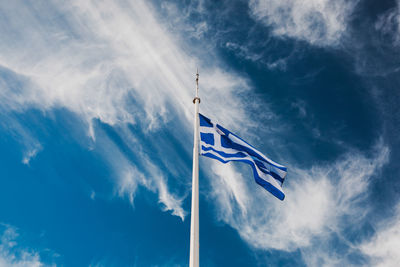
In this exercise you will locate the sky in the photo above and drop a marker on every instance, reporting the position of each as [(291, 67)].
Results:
[(96, 131)]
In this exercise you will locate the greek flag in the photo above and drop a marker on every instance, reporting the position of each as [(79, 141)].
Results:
[(218, 143)]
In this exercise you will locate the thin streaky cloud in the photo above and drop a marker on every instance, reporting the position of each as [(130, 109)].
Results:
[(383, 246), (97, 64), (318, 22), (311, 209), (12, 255)]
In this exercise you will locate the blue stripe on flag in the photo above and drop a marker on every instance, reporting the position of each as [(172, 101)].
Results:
[(264, 169), (223, 154)]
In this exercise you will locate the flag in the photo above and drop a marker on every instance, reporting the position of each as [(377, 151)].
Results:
[(218, 143)]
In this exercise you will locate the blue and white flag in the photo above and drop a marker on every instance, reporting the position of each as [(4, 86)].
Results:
[(218, 143)]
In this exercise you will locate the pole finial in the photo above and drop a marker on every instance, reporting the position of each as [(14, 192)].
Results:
[(197, 88)]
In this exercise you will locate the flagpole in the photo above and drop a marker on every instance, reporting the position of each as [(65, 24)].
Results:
[(194, 221)]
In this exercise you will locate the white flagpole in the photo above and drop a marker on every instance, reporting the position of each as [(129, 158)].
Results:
[(194, 222)]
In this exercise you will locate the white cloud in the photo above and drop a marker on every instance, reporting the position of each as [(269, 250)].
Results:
[(22, 134), (319, 201), (244, 51), (31, 153), (169, 201), (129, 176), (383, 247), (92, 195), (300, 105), (122, 52), (230, 187), (129, 180), (389, 23), (112, 61), (13, 256), (319, 22), (132, 178)]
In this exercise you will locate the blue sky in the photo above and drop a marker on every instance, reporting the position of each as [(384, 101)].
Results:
[(96, 131)]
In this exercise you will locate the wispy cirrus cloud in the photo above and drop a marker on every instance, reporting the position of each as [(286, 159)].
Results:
[(114, 62), (389, 23), (320, 202), (122, 52), (384, 244), (12, 255), (156, 182), (319, 22), (30, 154)]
